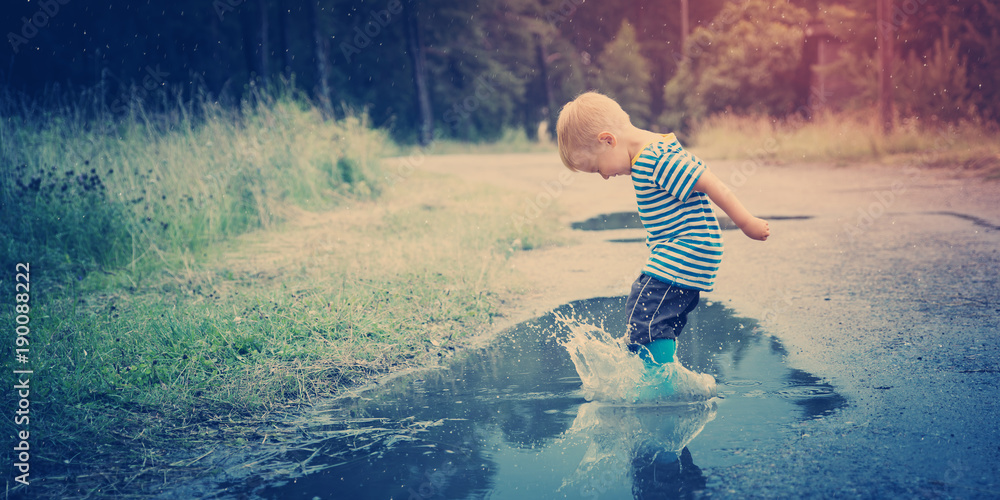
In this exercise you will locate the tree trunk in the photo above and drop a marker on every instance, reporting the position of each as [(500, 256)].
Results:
[(283, 42), (415, 46), (685, 25), (265, 49), (320, 51), (250, 47), (886, 33), (542, 56)]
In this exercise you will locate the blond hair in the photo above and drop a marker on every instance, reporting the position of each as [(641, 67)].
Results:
[(582, 120)]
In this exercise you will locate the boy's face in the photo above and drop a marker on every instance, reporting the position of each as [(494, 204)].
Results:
[(611, 158)]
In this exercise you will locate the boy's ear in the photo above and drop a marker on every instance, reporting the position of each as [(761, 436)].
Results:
[(607, 138)]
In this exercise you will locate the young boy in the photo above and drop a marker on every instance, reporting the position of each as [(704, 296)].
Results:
[(672, 189)]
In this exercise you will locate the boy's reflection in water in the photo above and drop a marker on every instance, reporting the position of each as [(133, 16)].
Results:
[(664, 475), (647, 443)]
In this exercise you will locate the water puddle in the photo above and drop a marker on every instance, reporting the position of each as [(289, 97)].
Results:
[(971, 218), (607, 222), (630, 220), (512, 421)]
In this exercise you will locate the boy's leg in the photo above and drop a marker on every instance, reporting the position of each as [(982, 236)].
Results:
[(657, 312)]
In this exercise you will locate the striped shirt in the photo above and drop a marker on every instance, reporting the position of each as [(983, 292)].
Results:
[(681, 231)]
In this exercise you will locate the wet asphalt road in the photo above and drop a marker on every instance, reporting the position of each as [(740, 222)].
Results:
[(889, 291)]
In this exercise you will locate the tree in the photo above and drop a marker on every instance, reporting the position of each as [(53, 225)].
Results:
[(935, 85), (947, 56), (320, 50), (960, 42), (415, 48), (623, 73), (745, 61)]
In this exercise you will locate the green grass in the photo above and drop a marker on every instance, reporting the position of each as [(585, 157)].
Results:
[(265, 264), (845, 138), (368, 292)]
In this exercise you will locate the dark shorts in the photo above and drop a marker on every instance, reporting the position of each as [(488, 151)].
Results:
[(657, 310)]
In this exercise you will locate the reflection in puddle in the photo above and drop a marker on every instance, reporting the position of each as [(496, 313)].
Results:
[(631, 220), (511, 421), (607, 222), (640, 448)]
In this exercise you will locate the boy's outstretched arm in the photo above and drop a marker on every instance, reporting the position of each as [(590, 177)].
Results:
[(723, 197)]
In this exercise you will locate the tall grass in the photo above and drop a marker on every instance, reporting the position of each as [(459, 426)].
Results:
[(106, 194), (839, 138)]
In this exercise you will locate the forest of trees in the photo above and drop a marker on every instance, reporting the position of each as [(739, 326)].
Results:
[(470, 70)]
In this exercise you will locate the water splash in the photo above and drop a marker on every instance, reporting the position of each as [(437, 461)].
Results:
[(611, 373)]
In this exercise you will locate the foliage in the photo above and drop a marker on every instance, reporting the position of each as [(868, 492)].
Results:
[(743, 62), (946, 52), (567, 72), (483, 66), (929, 33), (623, 74), (935, 85)]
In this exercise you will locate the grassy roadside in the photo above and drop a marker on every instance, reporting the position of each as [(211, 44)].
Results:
[(198, 331), (845, 138), (274, 318)]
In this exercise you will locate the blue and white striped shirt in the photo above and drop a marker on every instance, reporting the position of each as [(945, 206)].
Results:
[(682, 232)]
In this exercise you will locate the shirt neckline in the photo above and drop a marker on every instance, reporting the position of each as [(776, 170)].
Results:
[(666, 138)]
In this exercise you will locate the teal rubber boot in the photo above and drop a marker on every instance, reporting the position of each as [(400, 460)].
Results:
[(659, 352), (658, 381)]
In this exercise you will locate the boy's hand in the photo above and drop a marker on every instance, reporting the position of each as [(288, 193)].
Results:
[(756, 228)]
